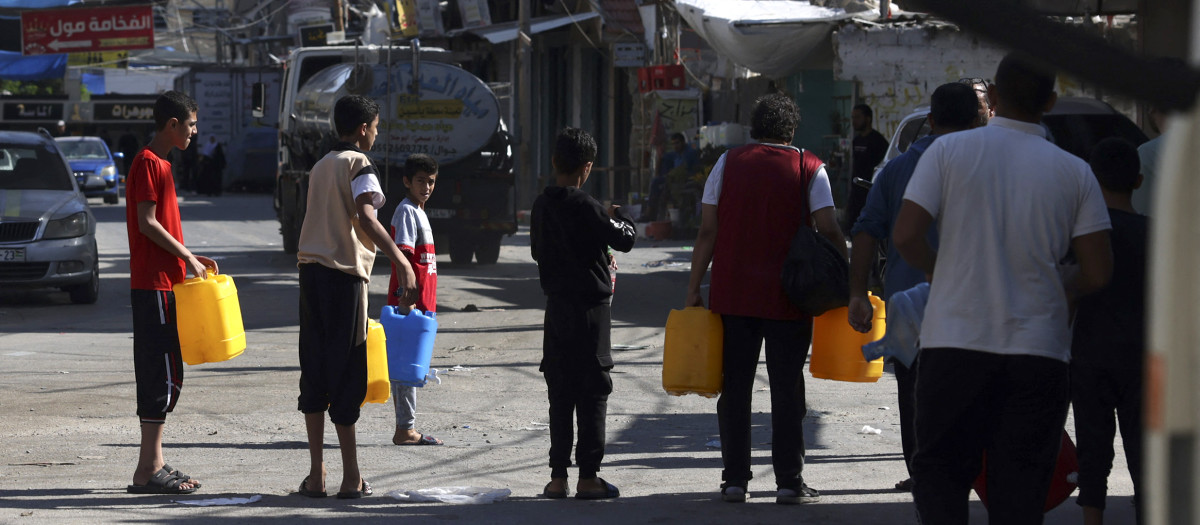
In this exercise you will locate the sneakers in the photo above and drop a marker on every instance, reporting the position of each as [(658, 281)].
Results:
[(796, 497), (733, 494)]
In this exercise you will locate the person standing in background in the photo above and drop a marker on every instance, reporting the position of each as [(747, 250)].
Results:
[(869, 149)]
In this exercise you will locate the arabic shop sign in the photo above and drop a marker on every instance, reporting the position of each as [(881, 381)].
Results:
[(124, 111), (33, 111), (54, 31)]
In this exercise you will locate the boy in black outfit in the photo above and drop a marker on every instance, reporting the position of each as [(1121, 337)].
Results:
[(569, 238), (1108, 345)]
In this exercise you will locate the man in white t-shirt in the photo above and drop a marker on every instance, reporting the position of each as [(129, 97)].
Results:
[(995, 340)]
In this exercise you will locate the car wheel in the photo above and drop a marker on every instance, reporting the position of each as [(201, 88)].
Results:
[(488, 249), (88, 292), (111, 199)]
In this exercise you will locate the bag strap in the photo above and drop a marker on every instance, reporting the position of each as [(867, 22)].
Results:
[(806, 181)]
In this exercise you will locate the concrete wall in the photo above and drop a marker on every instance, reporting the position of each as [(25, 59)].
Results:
[(899, 66)]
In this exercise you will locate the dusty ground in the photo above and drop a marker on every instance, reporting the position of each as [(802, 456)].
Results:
[(69, 433)]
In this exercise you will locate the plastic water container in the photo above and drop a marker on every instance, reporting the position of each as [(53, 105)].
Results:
[(209, 319), (837, 348), (692, 355), (379, 389), (409, 344), (1062, 482)]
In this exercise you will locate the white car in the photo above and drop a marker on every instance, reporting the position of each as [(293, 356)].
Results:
[(1075, 124)]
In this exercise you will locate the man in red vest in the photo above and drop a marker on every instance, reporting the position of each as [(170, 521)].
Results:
[(755, 199)]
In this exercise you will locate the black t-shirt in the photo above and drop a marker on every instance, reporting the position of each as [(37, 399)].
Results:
[(1110, 325), (569, 236), (869, 151)]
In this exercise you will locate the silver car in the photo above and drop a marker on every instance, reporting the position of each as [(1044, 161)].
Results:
[(47, 231)]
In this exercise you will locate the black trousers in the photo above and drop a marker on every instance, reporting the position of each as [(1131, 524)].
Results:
[(906, 386), (333, 364), (1096, 393), (576, 358), (787, 347), (968, 402), (157, 362)]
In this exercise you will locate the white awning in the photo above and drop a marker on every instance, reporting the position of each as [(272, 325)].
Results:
[(507, 31), (768, 37)]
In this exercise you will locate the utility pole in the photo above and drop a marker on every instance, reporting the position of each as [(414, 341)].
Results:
[(527, 180)]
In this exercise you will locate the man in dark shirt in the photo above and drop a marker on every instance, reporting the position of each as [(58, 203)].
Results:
[(870, 147), (1109, 339), (953, 107)]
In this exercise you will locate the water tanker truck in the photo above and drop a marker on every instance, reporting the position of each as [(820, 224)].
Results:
[(427, 105)]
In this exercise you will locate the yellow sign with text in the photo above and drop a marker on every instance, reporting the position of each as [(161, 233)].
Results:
[(97, 59), (429, 109)]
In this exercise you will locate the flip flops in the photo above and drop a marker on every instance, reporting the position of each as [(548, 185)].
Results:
[(304, 490), (422, 441), (162, 482), (608, 492), (356, 494)]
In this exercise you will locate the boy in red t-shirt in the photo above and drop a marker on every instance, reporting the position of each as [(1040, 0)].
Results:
[(414, 237), (157, 261)]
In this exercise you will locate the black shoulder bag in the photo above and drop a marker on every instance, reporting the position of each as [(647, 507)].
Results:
[(816, 278)]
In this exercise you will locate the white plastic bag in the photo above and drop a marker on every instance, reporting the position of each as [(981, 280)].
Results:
[(456, 495)]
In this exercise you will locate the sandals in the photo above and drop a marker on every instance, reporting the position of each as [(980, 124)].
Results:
[(356, 494), (552, 494), (421, 441), (177, 473), (304, 490), (162, 482), (608, 492)]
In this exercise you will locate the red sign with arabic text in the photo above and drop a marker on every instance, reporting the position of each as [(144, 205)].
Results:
[(54, 31)]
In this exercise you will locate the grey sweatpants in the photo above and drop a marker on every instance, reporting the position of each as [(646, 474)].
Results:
[(405, 399)]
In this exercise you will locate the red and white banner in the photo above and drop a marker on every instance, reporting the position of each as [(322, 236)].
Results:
[(54, 31)]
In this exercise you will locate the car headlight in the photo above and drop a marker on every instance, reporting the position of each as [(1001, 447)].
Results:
[(108, 171), (67, 227)]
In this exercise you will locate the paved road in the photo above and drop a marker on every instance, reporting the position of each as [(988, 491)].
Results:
[(68, 436)]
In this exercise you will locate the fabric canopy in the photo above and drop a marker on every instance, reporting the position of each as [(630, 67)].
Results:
[(507, 31), (768, 37), (13, 66)]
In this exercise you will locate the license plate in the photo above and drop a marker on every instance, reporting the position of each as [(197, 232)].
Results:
[(440, 213), (12, 254)]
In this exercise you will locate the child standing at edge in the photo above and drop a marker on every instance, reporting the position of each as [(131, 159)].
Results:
[(569, 239), (336, 254), (157, 261), (1109, 341), (414, 237)]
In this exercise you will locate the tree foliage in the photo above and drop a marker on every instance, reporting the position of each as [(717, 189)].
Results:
[(32, 87)]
